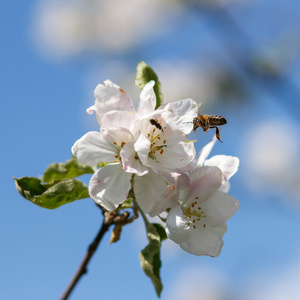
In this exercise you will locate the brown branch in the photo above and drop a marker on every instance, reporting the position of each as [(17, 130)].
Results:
[(83, 266), (110, 218)]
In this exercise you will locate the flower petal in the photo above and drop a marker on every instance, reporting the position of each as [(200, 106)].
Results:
[(205, 181), (111, 97), (92, 148), (228, 164), (177, 229), (147, 99), (225, 187), (131, 162), (205, 241), (219, 208), (151, 193), (118, 136), (180, 114), (109, 186), (176, 155), (142, 148), (204, 152), (117, 119)]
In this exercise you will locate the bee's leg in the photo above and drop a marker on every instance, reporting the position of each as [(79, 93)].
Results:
[(195, 127), (217, 133)]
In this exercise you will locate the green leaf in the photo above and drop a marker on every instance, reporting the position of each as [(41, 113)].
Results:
[(143, 75), (51, 195), (150, 256), (70, 169), (161, 231)]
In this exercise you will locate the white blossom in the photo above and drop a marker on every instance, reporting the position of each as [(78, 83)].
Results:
[(110, 97), (148, 142)]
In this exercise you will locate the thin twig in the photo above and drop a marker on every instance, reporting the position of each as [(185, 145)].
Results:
[(110, 218), (83, 266)]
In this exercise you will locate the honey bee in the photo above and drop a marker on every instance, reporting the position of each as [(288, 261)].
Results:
[(155, 123), (209, 121)]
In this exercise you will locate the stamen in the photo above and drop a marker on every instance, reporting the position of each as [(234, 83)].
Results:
[(154, 138), (193, 214)]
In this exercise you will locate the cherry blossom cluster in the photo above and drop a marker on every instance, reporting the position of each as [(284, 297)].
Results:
[(147, 151)]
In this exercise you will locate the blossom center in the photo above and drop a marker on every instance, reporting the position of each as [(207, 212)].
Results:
[(158, 142), (193, 214), (119, 147)]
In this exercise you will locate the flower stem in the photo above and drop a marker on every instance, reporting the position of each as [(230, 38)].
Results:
[(141, 211), (136, 205)]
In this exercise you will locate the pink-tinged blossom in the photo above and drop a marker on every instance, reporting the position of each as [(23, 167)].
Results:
[(226, 163), (198, 221)]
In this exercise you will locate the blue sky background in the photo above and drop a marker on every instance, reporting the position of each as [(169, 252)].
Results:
[(45, 97)]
